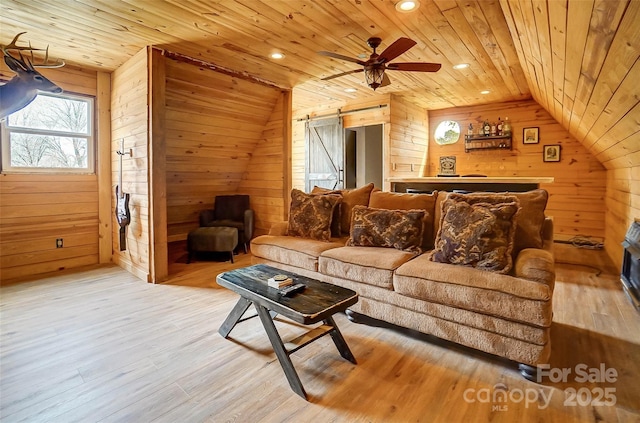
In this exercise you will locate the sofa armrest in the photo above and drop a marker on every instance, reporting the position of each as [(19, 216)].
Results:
[(279, 228), (207, 216), (536, 265), (547, 229)]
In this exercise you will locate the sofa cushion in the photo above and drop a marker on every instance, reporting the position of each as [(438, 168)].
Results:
[(530, 219), (310, 215), (402, 201), (396, 303), (298, 252), (369, 265), (350, 198), (472, 289), (399, 229), (477, 231)]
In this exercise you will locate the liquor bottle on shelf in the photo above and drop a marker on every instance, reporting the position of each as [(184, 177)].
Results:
[(493, 129), (487, 128), (499, 128), (506, 127), (470, 130)]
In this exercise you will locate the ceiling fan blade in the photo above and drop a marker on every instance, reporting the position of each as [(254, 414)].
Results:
[(341, 57), (398, 47), (342, 74), (385, 80), (415, 66)]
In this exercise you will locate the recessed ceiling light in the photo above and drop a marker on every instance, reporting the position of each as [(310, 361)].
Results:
[(276, 55), (485, 92), (461, 66), (406, 6), (350, 90)]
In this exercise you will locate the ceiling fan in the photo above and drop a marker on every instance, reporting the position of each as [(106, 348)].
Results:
[(374, 68)]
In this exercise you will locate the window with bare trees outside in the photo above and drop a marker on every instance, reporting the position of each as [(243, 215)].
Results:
[(53, 134)]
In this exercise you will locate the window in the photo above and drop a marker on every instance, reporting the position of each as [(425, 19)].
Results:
[(447, 132), (53, 134)]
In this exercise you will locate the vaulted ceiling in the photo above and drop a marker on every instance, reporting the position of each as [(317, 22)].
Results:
[(577, 58)]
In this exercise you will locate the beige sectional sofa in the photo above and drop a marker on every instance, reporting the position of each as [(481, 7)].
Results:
[(463, 296)]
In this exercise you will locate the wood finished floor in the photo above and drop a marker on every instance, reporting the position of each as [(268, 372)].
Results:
[(99, 345)]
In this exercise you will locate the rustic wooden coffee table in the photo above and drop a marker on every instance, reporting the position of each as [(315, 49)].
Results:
[(318, 302)]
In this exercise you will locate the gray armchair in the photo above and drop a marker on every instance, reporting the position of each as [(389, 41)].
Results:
[(232, 211)]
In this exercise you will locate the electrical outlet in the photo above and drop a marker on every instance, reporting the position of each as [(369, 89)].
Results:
[(59, 243)]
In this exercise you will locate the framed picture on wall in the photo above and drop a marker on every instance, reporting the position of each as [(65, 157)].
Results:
[(447, 166), (530, 135), (551, 153)]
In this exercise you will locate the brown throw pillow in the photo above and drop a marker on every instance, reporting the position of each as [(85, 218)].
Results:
[(350, 199), (336, 221), (399, 229), (405, 201), (477, 233), (530, 219), (310, 215)]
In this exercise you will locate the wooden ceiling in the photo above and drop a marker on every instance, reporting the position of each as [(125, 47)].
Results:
[(577, 58)]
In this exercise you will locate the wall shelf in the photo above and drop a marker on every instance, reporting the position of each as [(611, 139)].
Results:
[(480, 142)]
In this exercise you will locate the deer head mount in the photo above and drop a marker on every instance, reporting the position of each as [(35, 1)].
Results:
[(23, 88)]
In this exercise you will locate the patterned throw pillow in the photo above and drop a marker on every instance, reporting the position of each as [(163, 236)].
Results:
[(310, 215), (402, 201), (400, 229), (336, 219), (350, 199), (477, 232), (530, 219)]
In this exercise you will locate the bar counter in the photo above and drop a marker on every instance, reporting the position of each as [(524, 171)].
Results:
[(468, 183)]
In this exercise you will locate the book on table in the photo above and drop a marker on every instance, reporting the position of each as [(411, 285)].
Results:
[(279, 281)]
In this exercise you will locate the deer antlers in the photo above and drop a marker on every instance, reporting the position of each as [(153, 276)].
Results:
[(27, 64)]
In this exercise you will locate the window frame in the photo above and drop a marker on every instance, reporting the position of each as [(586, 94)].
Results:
[(5, 137)]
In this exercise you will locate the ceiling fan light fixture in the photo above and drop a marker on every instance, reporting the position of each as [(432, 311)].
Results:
[(374, 75), (406, 6)]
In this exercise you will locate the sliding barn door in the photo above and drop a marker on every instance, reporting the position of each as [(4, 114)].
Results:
[(324, 147)]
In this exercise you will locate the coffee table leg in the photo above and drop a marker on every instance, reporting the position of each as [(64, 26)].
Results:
[(281, 352), (234, 316), (341, 344)]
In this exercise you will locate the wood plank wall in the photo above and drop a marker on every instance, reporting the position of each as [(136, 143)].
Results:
[(408, 140), (214, 124), (266, 178), (580, 59), (577, 197), (36, 209), (158, 245), (129, 121), (622, 207)]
